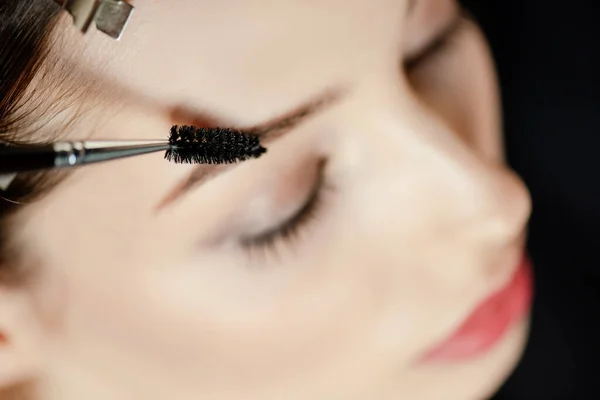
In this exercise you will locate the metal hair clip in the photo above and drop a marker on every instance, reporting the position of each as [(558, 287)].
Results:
[(6, 180), (110, 16)]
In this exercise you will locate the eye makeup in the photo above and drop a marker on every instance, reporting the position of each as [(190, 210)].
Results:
[(290, 227)]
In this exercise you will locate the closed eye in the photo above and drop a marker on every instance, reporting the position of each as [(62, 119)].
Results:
[(288, 229)]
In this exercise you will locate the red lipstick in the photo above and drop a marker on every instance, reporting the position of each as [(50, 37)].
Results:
[(490, 320)]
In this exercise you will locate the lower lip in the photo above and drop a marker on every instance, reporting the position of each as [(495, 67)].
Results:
[(489, 322)]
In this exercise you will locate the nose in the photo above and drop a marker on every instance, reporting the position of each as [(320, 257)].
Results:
[(416, 185)]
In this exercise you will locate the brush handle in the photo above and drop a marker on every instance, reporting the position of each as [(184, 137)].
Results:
[(23, 158), (15, 159)]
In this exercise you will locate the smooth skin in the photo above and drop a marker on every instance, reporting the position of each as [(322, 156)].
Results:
[(145, 291)]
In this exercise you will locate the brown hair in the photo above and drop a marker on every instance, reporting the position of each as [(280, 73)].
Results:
[(25, 31)]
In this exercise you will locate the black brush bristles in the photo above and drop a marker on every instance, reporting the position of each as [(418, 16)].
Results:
[(191, 145)]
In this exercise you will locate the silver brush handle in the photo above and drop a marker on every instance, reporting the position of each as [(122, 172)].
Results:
[(71, 154)]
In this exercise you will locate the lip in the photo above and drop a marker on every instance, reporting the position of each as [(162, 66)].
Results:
[(489, 321)]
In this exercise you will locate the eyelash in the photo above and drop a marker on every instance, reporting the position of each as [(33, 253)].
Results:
[(291, 228)]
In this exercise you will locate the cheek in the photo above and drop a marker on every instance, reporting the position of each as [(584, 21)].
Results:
[(197, 323), (460, 87)]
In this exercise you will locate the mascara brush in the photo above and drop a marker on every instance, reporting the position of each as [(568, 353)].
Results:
[(185, 145)]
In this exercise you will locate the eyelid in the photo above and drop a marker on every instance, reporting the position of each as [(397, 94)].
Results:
[(439, 40), (289, 225)]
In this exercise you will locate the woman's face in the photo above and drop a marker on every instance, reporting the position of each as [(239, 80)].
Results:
[(331, 267)]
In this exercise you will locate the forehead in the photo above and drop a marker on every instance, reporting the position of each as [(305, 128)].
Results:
[(205, 53)]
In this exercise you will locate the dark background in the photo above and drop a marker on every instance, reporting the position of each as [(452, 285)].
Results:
[(547, 57)]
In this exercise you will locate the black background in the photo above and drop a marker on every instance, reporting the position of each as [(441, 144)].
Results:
[(547, 57)]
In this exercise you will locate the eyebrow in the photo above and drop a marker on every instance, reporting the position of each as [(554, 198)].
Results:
[(267, 132), (276, 127)]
